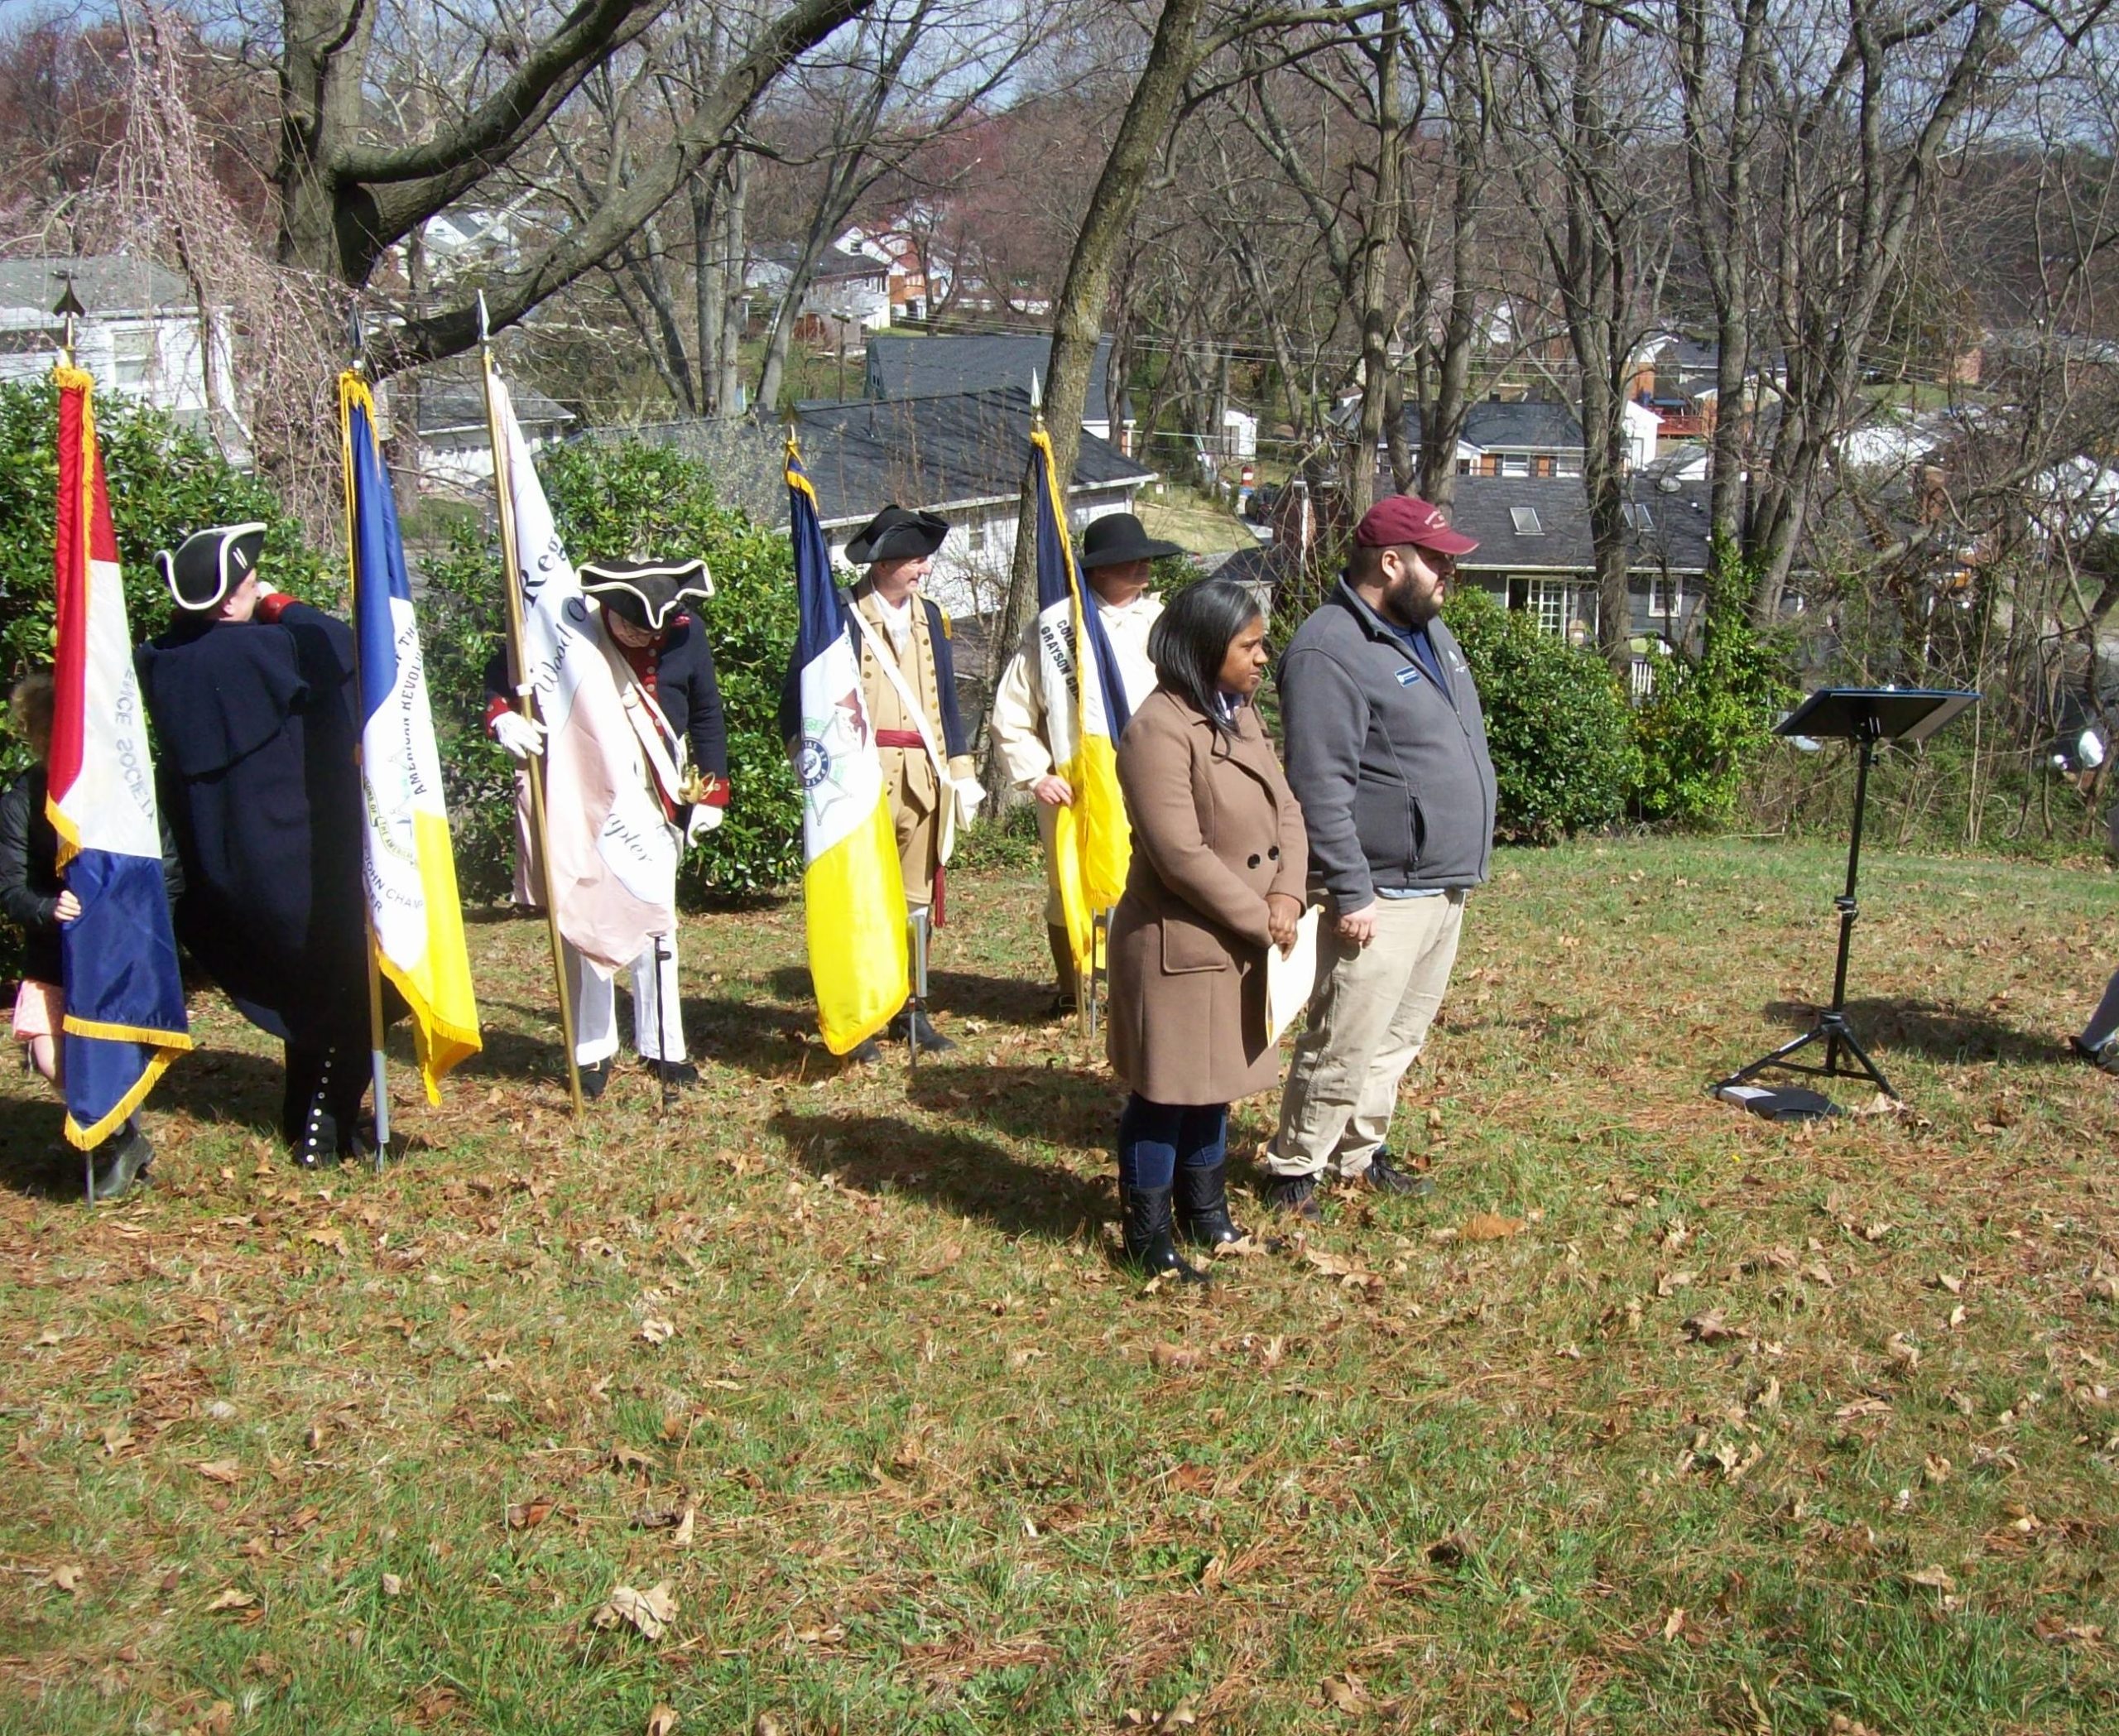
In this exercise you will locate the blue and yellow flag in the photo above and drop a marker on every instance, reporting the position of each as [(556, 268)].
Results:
[(1092, 844), (415, 919), (853, 889)]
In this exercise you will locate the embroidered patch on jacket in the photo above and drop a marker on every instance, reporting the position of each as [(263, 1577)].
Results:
[(1408, 675)]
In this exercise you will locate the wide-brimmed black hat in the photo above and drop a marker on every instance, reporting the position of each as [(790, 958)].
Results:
[(207, 564), (1117, 538), (644, 592), (894, 534)]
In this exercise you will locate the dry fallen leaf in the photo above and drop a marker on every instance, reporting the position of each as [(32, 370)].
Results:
[(1344, 1693), (231, 1599), (1674, 1624), (662, 1721), (1935, 1579), (115, 1439), (1174, 1358), (1489, 1227), (527, 1515), (681, 1537), (624, 1457), (219, 1470), (66, 1579), (1709, 1329), (650, 1611), (657, 1332), (392, 1584)]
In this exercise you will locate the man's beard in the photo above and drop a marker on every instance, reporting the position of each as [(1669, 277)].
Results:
[(1410, 604)]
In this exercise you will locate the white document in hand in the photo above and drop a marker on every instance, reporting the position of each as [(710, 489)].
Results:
[(1291, 978)]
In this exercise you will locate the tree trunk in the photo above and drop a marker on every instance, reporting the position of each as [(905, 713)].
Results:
[(1078, 315), (1379, 235)]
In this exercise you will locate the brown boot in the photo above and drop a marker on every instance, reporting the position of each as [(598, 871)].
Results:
[(1067, 998)]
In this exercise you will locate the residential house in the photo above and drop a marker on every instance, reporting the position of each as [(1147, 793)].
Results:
[(143, 336), (922, 368), (1531, 437), (448, 406), (898, 252), (848, 296), (962, 454)]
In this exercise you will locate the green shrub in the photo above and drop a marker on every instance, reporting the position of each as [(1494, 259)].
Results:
[(1710, 720), (166, 482), (1558, 724), (613, 503)]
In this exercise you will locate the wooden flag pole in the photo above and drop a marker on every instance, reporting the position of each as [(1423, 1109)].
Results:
[(526, 701)]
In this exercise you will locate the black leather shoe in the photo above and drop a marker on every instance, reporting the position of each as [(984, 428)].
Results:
[(1297, 1195), (678, 1073), (866, 1053), (922, 1030), (594, 1077), (1149, 1245), (2106, 1059), (1383, 1176), (1201, 1207), (123, 1160)]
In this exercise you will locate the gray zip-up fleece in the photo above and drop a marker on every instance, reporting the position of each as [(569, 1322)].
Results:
[(1396, 789)]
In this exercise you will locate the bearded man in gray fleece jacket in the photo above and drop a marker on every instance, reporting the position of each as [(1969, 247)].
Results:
[(1386, 752)]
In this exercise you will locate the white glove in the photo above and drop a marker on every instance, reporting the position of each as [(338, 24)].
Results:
[(970, 796), (705, 819), (522, 736)]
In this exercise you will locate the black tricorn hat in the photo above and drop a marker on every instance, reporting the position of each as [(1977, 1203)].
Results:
[(894, 534), (644, 592), (207, 564), (1117, 538)]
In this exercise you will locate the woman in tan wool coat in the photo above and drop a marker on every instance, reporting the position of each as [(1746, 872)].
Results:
[(1219, 863)]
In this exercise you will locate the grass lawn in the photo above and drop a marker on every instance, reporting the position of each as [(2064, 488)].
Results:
[(1656, 1418), (1196, 522)]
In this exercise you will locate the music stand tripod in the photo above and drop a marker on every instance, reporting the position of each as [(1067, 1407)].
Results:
[(1865, 716)]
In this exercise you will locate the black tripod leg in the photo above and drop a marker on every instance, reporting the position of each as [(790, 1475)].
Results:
[(1813, 1035), (1868, 1067)]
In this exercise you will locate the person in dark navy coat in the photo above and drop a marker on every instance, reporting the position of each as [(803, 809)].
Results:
[(253, 700), (664, 647)]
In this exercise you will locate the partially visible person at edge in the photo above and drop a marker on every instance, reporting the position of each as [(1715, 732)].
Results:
[(1218, 859), (35, 896), (1118, 558), (252, 696), (1386, 749), (661, 647), (909, 684)]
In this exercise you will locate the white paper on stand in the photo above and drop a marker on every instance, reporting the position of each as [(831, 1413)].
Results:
[(1291, 978)]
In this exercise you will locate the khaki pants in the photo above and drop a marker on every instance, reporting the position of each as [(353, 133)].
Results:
[(1367, 1020), (919, 851), (1048, 820)]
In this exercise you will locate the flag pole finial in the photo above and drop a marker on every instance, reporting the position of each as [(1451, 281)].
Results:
[(70, 308), (485, 323), (357, 337), (1036, 403)]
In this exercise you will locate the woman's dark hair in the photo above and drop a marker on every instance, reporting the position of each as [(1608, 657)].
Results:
[(1189, 643)]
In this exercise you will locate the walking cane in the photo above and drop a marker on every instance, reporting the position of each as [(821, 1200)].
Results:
[(915, 1008), (662, 1065)]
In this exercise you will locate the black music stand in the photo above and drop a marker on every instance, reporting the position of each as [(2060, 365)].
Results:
[(1865, 716)]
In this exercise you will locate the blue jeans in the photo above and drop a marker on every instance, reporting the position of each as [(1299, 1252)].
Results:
[(1155, 1137)]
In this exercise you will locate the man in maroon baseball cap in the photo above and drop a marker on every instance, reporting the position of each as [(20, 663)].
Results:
[(1386, 752)]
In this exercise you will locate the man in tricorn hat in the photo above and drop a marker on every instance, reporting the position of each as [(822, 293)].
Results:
[(668, 684), (252, 696), (909, 684), (1117, 559)]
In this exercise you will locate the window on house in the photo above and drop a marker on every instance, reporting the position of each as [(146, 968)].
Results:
[(1463, 467), (1666, 594), (1515, 463), (1548, 605), (977, 537), (1568, 464), (1525, 521), (1637, 517), (134, 353)]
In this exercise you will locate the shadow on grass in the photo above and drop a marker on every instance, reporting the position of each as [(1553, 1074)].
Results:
[(35, 1158), (1057, 1105), (959, 1173), (224, 1087), (950, 993), (1920, 1028)]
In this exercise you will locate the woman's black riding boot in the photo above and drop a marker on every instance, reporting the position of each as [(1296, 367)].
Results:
[(1202, 1206), (1149, 1243)]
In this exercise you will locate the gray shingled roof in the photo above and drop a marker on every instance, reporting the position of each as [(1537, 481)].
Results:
[(106, 284), (451, 403), (1675, 533), (919, 368), (933, 453), (1515, 427)]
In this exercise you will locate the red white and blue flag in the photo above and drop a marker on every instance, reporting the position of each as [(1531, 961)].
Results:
[(125, 1020)]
